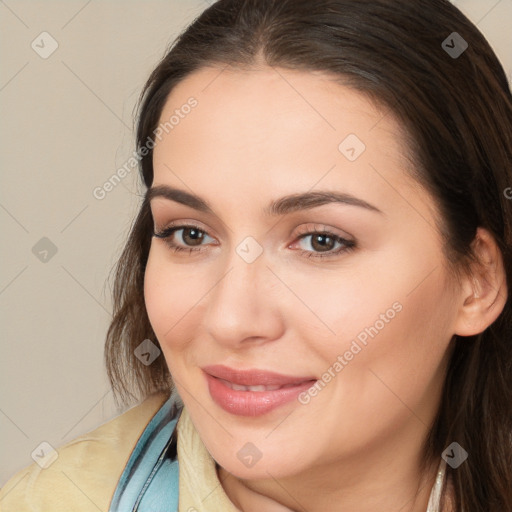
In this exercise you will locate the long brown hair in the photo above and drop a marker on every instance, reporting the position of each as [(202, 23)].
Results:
[(457, 111)]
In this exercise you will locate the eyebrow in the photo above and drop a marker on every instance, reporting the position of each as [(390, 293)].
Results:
[(282, 206)]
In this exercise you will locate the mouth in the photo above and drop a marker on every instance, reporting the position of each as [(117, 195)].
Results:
[(253, 392)]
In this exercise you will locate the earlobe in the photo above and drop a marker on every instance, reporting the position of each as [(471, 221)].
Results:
[(484, 291)]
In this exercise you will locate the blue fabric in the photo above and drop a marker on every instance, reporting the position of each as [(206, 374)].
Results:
[(149, 481)]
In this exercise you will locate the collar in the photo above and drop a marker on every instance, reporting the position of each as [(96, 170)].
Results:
[(199, 486)]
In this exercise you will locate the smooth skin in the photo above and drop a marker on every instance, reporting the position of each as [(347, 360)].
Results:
[(257, 135)]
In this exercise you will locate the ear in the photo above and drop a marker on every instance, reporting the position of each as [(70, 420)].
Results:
[(483, 292)]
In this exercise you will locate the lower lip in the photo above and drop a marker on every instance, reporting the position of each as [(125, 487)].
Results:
[(252, 403)]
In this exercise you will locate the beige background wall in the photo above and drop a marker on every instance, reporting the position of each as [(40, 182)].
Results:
[(66, 126)]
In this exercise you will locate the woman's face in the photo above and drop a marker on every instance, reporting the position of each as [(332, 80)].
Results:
[(351, 293)]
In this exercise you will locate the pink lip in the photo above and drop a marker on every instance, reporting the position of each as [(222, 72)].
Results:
[(252, 403)]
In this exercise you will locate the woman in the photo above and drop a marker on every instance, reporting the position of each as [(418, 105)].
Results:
[(321, 262)]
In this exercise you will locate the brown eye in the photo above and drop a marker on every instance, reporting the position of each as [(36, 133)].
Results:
[(323, 244), (192, 236), (183, 237)]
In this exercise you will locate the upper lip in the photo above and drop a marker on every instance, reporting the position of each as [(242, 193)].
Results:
[(254, 377)]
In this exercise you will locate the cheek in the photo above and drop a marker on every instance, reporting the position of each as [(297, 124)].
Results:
[(392, 344), (385, 365), (172, 293), (386, 327), (396, 305)]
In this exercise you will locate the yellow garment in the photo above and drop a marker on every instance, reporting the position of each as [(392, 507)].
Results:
[(199, 484), (86, 472), (88, 468)]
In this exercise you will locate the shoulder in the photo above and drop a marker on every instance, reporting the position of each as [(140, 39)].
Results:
[(86, 470)]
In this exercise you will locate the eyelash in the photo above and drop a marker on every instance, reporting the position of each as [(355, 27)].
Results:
[(169, 231)]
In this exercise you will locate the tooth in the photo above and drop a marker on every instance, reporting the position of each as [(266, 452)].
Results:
[(237, 387), (257, 388)]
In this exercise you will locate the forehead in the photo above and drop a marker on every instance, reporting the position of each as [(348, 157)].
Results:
[(271, 95), (274, 125)]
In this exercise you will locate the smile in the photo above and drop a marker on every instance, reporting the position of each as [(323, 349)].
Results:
[(253, 392)]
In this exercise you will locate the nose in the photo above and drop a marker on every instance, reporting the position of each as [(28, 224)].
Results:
[(243, 306)]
